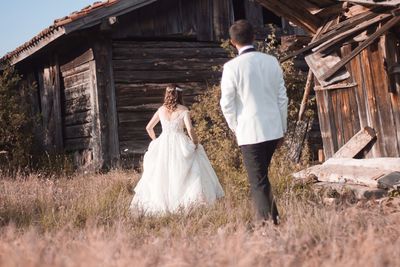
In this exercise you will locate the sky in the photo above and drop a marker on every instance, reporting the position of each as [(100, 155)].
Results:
[(21, 20)]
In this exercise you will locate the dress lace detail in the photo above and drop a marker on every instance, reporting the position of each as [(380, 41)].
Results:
[(174, 125)]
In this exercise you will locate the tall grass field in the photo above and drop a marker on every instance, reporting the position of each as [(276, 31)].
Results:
[(84, 220)]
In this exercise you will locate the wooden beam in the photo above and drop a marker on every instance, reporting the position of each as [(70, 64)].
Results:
[(281, 9), (356, 144), (95, 17), (385, 164), (108, 117), (356, 30), (37, 46), (337, 173), (78, 61), (328, 11), (361, 47), (306, 94), (338, 34), (335, 86)]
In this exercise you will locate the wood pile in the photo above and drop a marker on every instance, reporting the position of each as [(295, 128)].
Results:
[(367, 178)]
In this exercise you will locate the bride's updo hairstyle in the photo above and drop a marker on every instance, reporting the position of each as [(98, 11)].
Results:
[(173, 97)]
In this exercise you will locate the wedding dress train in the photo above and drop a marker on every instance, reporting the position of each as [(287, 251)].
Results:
[(176, 175)]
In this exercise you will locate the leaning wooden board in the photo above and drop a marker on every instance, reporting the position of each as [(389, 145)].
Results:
[(356, 144)]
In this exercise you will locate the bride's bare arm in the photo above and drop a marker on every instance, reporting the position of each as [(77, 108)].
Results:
[(190, 128), (152, 123)]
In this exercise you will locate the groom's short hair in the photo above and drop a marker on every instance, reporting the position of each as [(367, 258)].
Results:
[(242, 32)]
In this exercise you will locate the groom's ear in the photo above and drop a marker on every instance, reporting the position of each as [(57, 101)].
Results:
[(232, 42)]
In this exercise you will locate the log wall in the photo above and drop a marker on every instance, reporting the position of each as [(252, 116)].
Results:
[(203, 20), (142, 71), (79, 110), (370, 97)]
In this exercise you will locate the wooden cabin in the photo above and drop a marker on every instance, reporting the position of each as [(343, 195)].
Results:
[(102, 71), (354, 57)]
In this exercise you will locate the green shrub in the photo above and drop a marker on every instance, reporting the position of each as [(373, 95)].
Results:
[(16, 137)]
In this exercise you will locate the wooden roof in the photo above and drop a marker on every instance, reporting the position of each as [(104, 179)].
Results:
[(85, 18), (333, 23), (311, 14)]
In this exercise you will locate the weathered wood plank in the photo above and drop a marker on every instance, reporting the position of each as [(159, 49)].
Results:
[(77, 79), (77, 91), (96, 16), (164, 53), (95, 144), (387, 131), (163, 44), (366, 176), (320, 64), (78, 61), (341, 31), (168, 64), (204, 20), (306, 94), (356, 144), (353, 31), (76, 70), (328, 133), (146, 107), (254, 13), (127, 101), (49, 86), (126, 94), (222, 18), (107, 103), (56, 81), (78, 131), (336, 117), (77, 144), (336, 86), (78, 118), (384, 163), (370, 98), (165, 76), (392, 57), (155, 89), (392, 22), (351, 124), (77, 105), (298, 15), (39, 45)]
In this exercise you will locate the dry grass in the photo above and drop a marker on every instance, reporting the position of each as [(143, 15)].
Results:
[(84, 221)]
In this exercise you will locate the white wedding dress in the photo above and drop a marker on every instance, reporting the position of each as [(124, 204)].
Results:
[(176, 175)]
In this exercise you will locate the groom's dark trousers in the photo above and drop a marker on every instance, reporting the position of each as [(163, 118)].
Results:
[(257, 158)]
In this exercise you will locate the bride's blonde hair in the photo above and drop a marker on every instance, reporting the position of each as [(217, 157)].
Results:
[(173, 97)]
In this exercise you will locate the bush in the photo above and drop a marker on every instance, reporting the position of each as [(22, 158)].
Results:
[(16, 137)]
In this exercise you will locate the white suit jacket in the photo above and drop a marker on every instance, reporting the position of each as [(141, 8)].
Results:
[(253, 98)]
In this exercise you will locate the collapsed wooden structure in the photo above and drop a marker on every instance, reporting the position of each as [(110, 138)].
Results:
[(102, 71), (354, 57)]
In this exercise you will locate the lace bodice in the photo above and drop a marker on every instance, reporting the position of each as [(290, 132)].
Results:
[(173, 125)]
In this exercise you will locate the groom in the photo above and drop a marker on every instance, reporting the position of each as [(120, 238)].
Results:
[(254, 104)]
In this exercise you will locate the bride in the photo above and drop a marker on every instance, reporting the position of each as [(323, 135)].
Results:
[(176, 171)]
